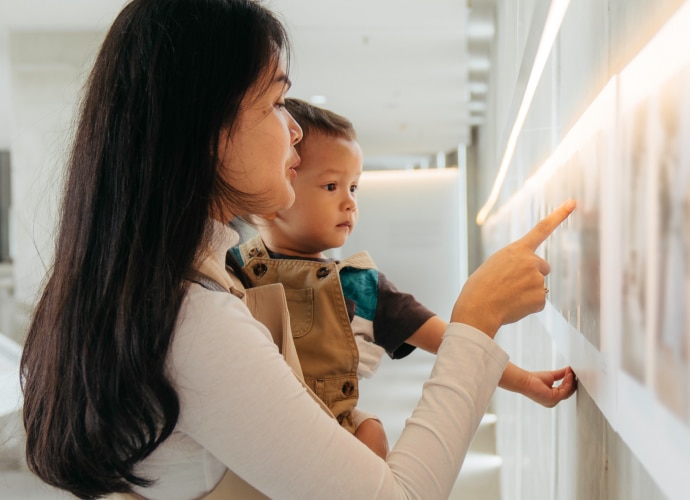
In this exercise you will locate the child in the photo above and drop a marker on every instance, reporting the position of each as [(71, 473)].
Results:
[(345, 314)]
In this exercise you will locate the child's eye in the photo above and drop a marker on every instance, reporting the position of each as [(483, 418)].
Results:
[(330, 187), (353, 188)]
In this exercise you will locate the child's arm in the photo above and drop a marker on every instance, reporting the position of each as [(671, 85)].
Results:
[(371, 433), (538, 386)]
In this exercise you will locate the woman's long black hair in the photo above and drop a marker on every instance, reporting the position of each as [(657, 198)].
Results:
[(142, 180)]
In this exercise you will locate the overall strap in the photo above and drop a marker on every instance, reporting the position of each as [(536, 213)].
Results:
[(253, 247), (360, 260)]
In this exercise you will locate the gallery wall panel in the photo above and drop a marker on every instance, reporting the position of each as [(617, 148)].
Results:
[(619, 302)]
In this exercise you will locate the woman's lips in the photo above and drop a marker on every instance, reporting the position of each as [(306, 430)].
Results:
[(293, 168)]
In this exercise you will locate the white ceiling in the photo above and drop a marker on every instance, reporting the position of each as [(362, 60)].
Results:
[(397, 68)]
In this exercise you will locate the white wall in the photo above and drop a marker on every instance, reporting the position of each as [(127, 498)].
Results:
[(4, 89), (582, 449), (47, 71)]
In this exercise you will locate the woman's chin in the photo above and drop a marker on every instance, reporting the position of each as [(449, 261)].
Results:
[(288, 199)]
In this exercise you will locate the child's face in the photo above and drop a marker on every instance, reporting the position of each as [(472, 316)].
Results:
[(325, 209)]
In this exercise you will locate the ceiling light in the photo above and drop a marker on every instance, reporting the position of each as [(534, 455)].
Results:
[(476, 106), (318, 100), (478, 87), (478, 64), (480, 30)]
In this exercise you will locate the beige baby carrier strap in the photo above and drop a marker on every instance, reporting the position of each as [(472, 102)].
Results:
[(267, 304), (319, 319)]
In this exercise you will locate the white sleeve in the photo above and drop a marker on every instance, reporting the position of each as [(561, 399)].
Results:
[(370, 356), (241, 402)]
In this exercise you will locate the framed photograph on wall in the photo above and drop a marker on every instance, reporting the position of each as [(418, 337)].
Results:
[(669, 124), (635, 230)]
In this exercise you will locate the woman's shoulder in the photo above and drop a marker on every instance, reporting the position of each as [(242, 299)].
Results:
[(218, 318), (200, 301)]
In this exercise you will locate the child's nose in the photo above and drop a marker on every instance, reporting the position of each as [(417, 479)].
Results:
[(350, 202)]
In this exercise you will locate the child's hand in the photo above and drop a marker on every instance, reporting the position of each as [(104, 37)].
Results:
[(539, 386), (371, 433)]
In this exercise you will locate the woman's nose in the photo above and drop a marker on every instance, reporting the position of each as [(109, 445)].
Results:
[(295, 131)]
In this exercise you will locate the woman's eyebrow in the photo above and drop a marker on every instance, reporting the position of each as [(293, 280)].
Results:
[(284, 79)]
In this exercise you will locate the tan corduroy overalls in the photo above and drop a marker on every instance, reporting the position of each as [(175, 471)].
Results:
[(319, 319)]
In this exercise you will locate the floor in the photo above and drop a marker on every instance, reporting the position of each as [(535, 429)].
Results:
[(391, 394)]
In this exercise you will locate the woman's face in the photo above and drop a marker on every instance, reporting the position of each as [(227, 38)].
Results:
[(259, 158)]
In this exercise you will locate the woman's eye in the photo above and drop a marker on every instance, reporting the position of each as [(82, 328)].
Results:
[(280, 105)]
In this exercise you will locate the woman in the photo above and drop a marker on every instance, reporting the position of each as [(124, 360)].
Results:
[(138, 380)]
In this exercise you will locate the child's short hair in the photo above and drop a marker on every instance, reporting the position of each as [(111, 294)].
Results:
[(314, 120)]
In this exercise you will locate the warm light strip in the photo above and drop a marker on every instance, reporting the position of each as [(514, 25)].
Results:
[(552, 25), (597, 117), (658, 60)]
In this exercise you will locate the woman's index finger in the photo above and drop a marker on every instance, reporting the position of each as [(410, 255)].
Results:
[(538, 234)]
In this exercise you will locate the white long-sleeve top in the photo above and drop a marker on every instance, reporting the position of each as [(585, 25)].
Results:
[(242, 408)]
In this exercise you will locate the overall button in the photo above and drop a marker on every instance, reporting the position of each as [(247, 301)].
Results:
[(254, 252), (260, 269), (348, 388), (322, 272)]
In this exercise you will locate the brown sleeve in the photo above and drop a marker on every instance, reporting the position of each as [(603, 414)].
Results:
[(398, 316)]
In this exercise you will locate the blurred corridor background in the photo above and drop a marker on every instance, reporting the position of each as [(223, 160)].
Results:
[(476, 117)]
